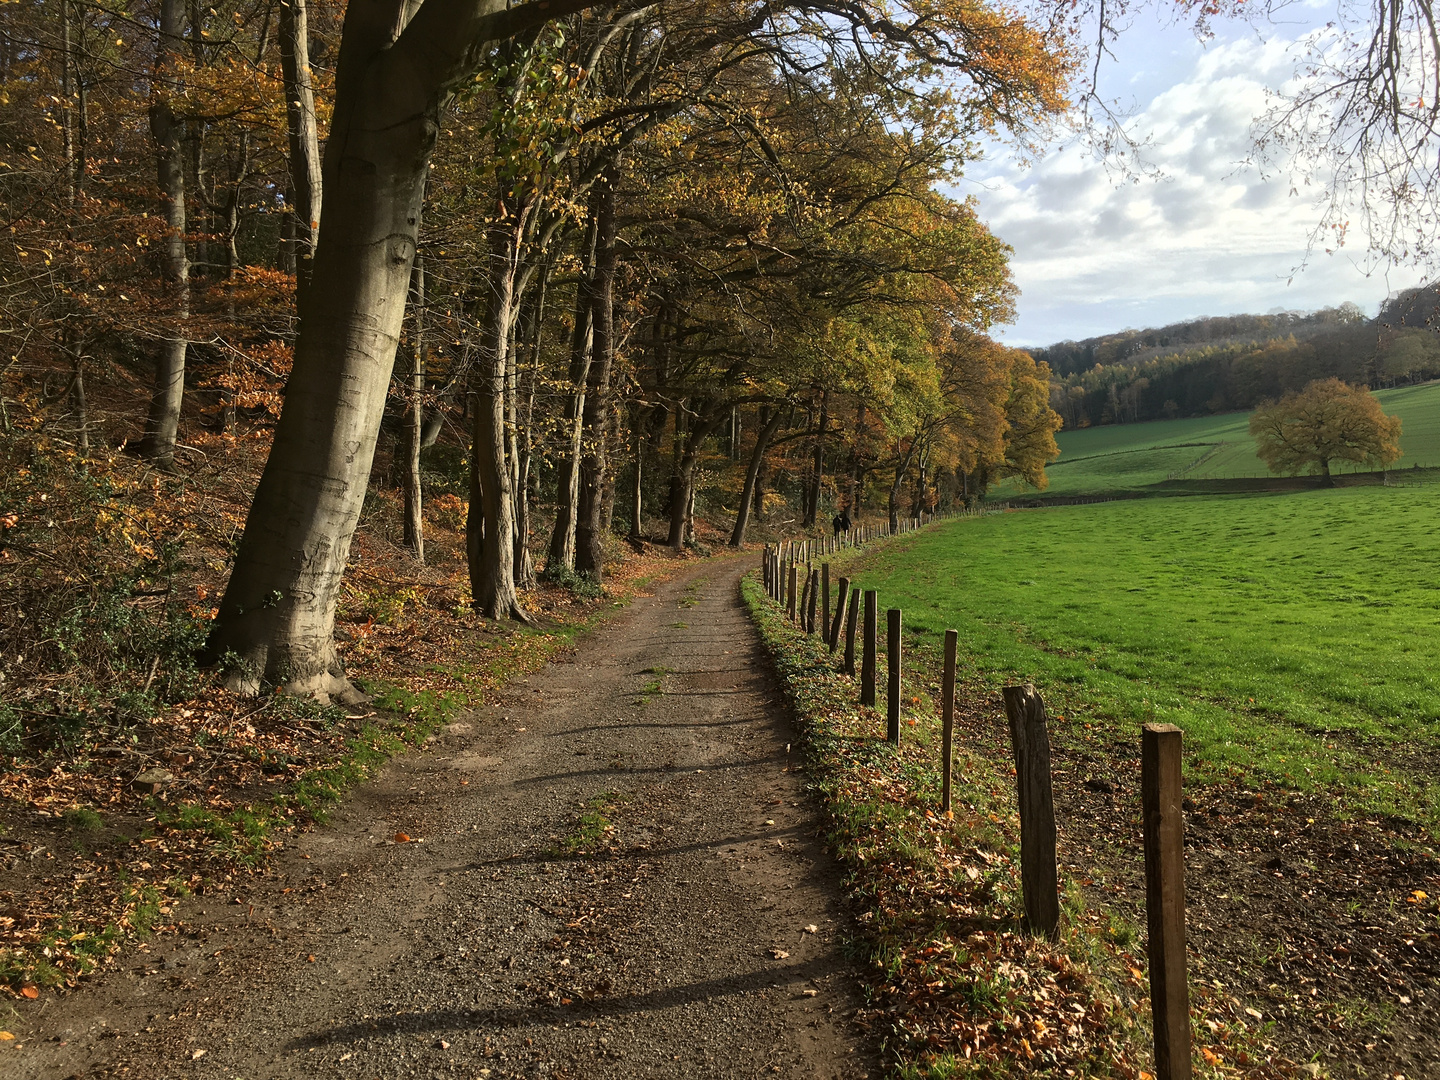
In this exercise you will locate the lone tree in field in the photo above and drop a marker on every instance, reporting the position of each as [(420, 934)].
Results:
[(1327, 421)]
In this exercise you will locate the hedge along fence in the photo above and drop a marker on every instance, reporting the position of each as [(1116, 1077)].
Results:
[(1038, 877)]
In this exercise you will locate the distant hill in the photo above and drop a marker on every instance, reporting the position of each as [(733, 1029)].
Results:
[(1215, 365), (1208, 453)]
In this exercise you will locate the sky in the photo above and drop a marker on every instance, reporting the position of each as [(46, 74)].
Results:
[(1096, 251)]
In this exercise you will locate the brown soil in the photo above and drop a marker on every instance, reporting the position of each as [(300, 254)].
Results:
[(602, 879)]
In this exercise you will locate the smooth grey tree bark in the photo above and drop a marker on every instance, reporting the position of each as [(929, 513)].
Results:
[(398, 63), (590, 508), (415, 418), (306, 180), (163, 423), (567, 496)]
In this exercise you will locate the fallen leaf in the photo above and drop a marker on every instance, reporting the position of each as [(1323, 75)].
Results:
[(779, 954), (402, 838), (809, 993), (1255, 1013), (30, 990), (311, 958), (5, 1036), (811, 929), (196, 1055)]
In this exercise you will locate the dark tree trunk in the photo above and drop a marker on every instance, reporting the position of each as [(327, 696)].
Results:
[(817, 466), (770, 423), (682, 477)]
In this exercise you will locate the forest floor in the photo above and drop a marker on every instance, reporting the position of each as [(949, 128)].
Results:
[(611, 871)]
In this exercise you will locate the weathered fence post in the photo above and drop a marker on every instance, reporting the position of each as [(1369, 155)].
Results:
[(851, 625), (790, 593), (867, 660), (1039, 880), (805, 595), (892, 676), (1165, 898), (947, 718), (814, 590), (842, 593), (824, 600)]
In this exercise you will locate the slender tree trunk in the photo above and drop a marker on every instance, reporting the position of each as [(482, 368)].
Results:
[(770, 424), (163, 424), (637, 491), (562, 539), (682, 477), (589, 517), (306, 183), (67, 100), (817, 467), (77, 403), (492, 565), (533, 326), (414, 417)]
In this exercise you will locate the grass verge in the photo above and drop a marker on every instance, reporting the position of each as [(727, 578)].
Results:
[(956, 987)]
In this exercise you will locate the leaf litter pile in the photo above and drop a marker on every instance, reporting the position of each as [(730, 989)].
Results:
[(956, 987), (129, 778)]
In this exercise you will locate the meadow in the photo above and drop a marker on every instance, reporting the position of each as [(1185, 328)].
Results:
[(1133, 457), (1290, 637)]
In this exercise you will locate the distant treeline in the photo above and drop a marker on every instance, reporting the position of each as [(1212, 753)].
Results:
[(1234, 362)]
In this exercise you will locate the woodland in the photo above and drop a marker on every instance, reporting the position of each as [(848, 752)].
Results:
[(1228, 363), (661, 248)]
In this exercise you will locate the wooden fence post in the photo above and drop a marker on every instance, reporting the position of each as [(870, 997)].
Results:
[(1039, 879), (805, 595), (867, 661), (824, 622), (1165, 898), (842, 593), (790, 593), (947, 718), (814, 589), (892, 676), (851, 625)]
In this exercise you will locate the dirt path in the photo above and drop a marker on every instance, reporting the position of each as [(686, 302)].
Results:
[(514, 939)]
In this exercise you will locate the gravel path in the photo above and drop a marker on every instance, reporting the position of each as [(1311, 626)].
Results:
[(695, 937)]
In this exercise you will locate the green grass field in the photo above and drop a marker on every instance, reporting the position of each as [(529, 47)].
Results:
[(1132, 457), (1291, 637)]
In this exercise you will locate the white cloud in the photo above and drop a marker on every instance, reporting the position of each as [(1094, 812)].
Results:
[(1096, 252)]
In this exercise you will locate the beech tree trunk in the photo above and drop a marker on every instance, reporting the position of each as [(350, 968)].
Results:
[(590, 509), (567, 497), (398, 63), (533, 326), (306, 182), (769, 426), (414, 417), (492, 552), (163, 422)]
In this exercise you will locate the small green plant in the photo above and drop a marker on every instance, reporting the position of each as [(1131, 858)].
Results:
[(653, 688), (84, 819), (593, 827), (582, 586)]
